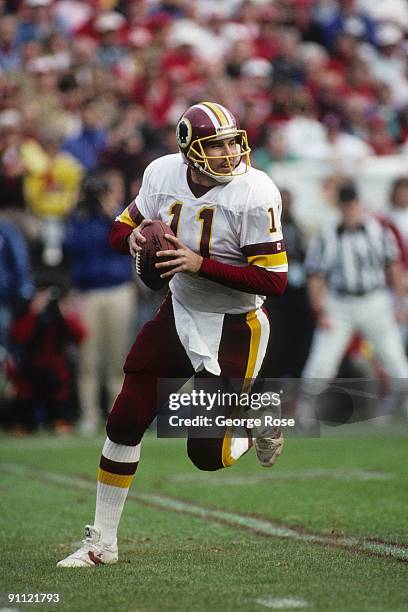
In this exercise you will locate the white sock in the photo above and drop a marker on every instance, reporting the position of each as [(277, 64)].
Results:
[(116, 470)]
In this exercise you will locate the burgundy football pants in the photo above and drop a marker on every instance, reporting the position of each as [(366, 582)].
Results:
[(158, 353)]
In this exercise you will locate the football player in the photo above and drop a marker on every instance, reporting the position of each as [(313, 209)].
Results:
[(228, 254)]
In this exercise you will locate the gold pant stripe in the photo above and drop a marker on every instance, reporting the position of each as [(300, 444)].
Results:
[(226, 455), (255, 327), (114, 480)]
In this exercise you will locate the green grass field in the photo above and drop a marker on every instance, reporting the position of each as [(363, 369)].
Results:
[(326, 529)]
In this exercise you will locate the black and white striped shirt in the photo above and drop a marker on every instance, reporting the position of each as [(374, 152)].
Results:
[(353, 261)]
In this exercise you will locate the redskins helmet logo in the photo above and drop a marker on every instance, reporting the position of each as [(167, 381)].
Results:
[(184, 132)]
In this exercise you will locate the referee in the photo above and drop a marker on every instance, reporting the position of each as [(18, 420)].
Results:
[(348, 267)]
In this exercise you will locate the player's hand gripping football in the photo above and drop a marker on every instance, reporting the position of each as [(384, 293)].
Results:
[(136, 238), (182, 259)]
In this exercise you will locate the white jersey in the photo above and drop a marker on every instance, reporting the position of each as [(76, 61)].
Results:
[(236, 223)]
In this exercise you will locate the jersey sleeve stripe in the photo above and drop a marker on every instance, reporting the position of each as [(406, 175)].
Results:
[(263, 248), (283, 268), (131, 216), (269, 261), (135, 214)]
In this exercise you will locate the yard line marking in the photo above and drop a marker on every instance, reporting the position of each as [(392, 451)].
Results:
[(281, 603), (296, 475), (259, 525), (54, 443)]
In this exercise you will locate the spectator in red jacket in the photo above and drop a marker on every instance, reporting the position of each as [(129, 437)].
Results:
[(42, 374)]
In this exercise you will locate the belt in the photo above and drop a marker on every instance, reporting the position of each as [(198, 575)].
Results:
[(361, 293)]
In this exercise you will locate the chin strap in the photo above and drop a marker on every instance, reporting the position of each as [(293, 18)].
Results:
[(227, 178)]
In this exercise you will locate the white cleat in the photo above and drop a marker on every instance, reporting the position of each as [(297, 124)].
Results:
[(92, 552), (268, 450)]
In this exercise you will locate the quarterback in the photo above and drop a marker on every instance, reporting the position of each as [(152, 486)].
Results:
[(228, 254)]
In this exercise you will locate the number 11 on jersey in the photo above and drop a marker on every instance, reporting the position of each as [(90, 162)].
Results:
[(206, 216), (175, 213)]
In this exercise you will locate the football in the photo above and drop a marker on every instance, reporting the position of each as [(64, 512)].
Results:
[(146, 259)]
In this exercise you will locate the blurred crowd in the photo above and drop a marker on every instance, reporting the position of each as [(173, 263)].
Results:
[(90, 93)]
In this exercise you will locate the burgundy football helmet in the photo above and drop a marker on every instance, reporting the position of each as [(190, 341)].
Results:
[(209, 122)]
